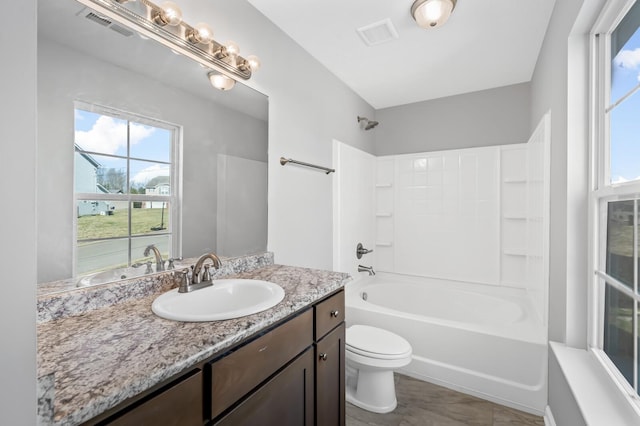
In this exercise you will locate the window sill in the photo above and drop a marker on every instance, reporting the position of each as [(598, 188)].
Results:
[(599, 399)]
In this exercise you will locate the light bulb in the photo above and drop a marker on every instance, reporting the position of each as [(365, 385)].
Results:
[(253, 62), (171, 14), (221, 81), (202, 33), (232, 48), (432, 13)]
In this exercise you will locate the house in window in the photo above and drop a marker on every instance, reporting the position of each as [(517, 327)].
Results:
[(159, 185), (86, 178)]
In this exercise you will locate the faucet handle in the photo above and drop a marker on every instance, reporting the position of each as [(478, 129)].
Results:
[(148, 270), (172, 261), (184, 280)]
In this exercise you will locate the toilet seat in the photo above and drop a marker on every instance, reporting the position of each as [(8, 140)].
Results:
[(376, 343)]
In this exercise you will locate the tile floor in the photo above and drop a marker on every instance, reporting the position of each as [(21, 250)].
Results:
[(425, 404)]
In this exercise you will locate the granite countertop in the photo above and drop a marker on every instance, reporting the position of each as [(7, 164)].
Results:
[(90, 362)]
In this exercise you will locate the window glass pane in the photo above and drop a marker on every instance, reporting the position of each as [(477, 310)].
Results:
[(100, 255), (625, 42), (101, 219), (152, 178), (150, 143), (624, 131), (124, 159), (100, 133), (620, 241), (618, 331), (139, 244), (151, 217)]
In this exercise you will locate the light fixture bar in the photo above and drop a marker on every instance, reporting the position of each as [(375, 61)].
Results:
[(116, 11)]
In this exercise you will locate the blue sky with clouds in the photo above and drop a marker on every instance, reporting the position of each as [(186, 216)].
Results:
[(625, 118), (108, 135)]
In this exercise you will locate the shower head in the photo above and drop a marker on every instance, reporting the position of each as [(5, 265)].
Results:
[(370, 125), (366, 124)]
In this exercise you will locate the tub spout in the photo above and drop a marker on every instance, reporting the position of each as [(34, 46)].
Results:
[(368, 269)]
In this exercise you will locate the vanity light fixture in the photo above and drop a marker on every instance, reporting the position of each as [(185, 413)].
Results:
[(221, 81), (168, 13), (432, 13), (164, 24)]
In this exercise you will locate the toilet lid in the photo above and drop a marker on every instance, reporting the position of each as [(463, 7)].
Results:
[(376, 342)]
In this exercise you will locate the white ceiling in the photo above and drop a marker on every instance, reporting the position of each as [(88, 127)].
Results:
[(485, 44)]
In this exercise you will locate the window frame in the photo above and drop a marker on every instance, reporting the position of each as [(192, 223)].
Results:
[(602, 191), (174, 199)]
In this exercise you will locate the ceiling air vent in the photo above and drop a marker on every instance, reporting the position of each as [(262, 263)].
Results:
[(92, 16), (106, 22), (378, 32), (121, 30)]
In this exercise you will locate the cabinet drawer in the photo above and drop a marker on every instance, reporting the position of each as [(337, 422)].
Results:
[(236, 374), (329, 314), (179, 405)]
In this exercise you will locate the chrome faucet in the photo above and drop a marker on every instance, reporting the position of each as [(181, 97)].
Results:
[(157, 254), (368, 269), (195, 282), (195, 278)]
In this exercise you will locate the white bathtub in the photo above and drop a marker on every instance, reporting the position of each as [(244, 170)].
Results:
[(482, 340)]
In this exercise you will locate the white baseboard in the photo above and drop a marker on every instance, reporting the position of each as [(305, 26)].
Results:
[(548, 417)]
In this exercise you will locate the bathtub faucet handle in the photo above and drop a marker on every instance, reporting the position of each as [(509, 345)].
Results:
[(360, 251)]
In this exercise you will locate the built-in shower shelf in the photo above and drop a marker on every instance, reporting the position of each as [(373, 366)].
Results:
[(514, 217), (383, 244), (514, 252), (384, 185), (507, 180), (385, 214)]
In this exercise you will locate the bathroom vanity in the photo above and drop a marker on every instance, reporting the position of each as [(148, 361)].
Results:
[(122, 365)]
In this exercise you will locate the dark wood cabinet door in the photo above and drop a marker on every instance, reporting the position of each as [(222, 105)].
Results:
[(285, 400), (179, 405), (330, 379)]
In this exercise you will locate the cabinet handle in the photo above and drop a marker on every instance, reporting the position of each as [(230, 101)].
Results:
[(335, 313), (323, 356)]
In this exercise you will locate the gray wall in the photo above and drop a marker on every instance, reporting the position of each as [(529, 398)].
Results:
[(561, 84), (66, 75), (18, 224), (489, 117), (549, 88), (308, 108), (565, 408)]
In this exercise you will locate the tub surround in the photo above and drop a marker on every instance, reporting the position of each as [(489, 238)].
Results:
[(101, 353)]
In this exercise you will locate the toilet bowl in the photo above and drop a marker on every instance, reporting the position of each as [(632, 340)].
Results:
[(372, 354)]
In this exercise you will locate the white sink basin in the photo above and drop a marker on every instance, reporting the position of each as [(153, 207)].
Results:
[(110, 276), (226, 299)]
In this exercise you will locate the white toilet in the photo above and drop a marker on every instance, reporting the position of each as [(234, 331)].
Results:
[(372, 354)]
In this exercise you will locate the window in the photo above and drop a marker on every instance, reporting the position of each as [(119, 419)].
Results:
[(126, 188), (616, 197)]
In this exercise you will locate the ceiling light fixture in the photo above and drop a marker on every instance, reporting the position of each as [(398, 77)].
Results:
[(432, 13), (164, 24)]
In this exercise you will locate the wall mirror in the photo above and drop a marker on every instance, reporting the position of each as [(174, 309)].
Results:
[(84, 59)]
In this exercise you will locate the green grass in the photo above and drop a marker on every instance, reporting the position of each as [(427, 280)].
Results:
[(116, 225)]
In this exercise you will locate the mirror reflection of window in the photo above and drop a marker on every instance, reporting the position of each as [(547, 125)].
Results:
[(126, 176)]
